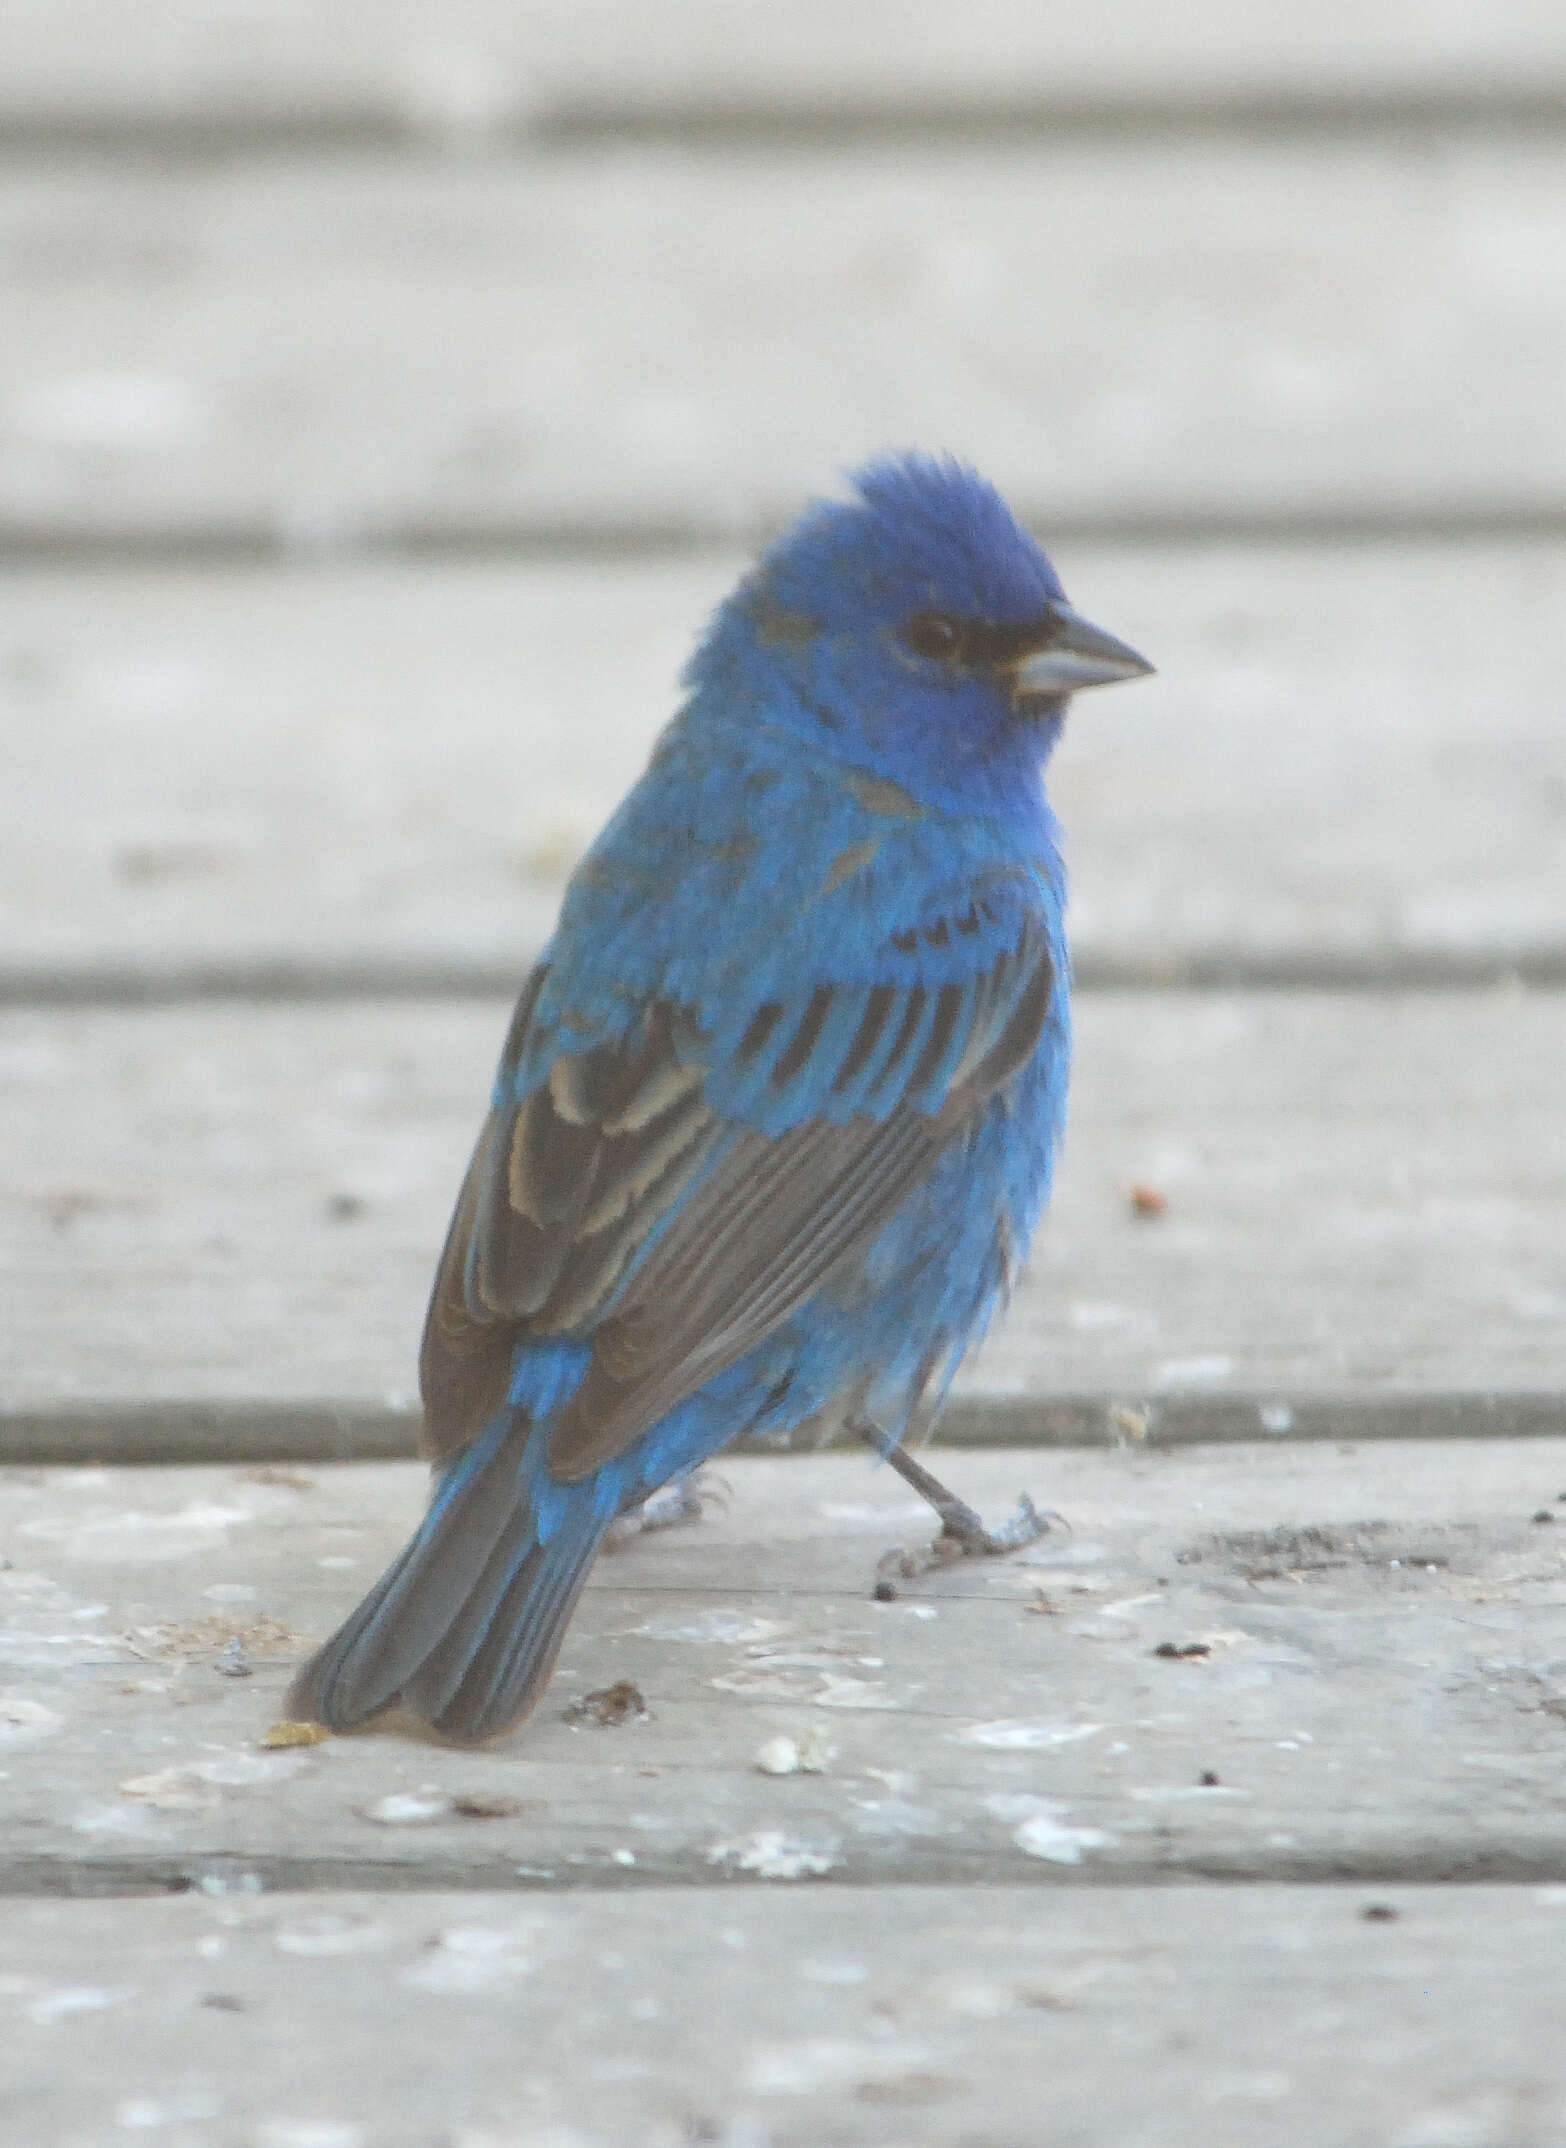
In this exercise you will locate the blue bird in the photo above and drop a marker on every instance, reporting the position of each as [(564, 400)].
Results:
[(776, 1113)]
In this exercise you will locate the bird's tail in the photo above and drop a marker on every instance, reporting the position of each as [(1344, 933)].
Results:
[(464, 1627)]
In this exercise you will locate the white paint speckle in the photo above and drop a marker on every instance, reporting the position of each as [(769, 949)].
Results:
[(122, 1820), (1276, 1417), (771, 1854), (25, 1722), (330, 1932), (709, 1626), (1089, 1318), (62, 2001), (310, 2133), (818, 2062), (169, 1790), (1047, 1836), (1185, 1793), (128, 1536), (885, 1517), (896, 1816), (407, 1808), (761, 1682), (840, 1692), (830, 1972), (1193, 1371), (146, 2113), (241, 1770), (469, 1960), (116, 413), (1010, 1736), (189, 1787)]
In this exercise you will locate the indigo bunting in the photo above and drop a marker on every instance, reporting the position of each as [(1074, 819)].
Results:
[(777, 1109)]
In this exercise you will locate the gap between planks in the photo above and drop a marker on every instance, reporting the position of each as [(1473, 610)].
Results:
[(71, 547), (191, 1431), (371, 127), (137, 983), (1446, 1862)]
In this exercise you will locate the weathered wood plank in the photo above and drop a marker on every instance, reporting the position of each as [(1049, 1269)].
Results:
[(1363, 1197), (1184, 335), (382, 775), (903, 2019), (1377, 1683), (78, 65)]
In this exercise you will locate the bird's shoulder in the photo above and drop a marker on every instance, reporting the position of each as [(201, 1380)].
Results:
[(739, 873)]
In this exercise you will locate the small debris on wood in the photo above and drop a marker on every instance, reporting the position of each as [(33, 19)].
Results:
[(1380, 1913), (169, 1790), (809, 1755), (610, 1706), (234, 1663), (189, 1640), (286, 1733), (1207, 1780), (1042, 1604), (884, 1592), (1183, 1651), (1129, 1423), (345, 1207), (287, 1480), (485, 1805), (1544, 1515), (1146, 1200), (223, 2002)]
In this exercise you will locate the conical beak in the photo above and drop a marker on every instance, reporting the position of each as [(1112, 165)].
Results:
[(1077, 654)]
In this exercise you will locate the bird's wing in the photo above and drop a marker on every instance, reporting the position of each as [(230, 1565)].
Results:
[(675, 1196)]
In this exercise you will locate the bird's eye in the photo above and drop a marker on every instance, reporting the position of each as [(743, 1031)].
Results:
[(932, 634)]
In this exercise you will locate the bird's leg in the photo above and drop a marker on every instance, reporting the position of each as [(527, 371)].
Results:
[(685, 1499), (963, 1534)]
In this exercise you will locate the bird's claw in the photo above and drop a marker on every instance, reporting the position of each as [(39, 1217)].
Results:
[(671, 1507), (963, 1536)]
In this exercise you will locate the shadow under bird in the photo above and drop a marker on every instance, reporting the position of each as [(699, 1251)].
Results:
[(777, 1110)]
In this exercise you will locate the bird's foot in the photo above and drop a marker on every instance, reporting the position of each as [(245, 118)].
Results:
[(963, 1536), (671, 1507), (962, 1533)]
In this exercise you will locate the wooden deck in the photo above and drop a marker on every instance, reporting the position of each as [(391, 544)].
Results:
[(384, 399)]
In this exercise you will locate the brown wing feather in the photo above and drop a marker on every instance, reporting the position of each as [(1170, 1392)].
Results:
[(562, 1191), (555, 1202), (767, 1228)]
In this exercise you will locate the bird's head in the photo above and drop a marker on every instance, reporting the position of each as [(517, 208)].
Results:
[(916, 629)]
